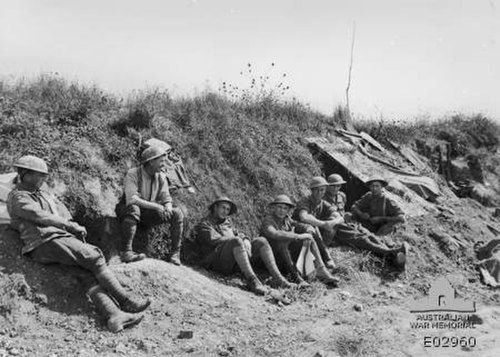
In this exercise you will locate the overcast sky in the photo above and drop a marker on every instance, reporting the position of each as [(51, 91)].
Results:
[(410, 57)]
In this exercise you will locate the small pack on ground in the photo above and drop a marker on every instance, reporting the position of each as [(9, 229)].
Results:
[(7, 183)]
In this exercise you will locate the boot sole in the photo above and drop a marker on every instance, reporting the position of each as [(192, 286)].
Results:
[(135, 311), (134, 322), (137, 258), (126, 324)]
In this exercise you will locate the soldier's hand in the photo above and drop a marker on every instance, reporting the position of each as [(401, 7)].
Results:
[(304, 236), (365, 216), (159, 208), (79, 231), (329, 226), (167, 212), (376, 220)]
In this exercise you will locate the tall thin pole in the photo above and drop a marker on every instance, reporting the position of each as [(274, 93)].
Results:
[(350, 69)]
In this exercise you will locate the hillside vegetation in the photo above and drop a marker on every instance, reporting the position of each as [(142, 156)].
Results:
[(250, 148)]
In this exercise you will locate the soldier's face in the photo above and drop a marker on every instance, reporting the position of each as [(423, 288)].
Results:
[(222, 210), (281, 210), (158, 164), (34, 179), (376, 188), (334, 189), (318, 192)]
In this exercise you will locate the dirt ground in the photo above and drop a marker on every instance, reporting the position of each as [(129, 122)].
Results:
[(43, 310)]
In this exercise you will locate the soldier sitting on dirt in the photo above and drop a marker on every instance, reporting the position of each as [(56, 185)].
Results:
[(279, 228), (354, 234), (50, 236), (320, 218), (333, 194), (222, 248), (147, 201), (377, 212)]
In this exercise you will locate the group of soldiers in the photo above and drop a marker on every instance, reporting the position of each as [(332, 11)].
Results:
[(50, 235)]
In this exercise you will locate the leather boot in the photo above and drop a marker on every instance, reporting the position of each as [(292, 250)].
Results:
[(108, 281), (176, 232), (283, 283), (326, 277), (400, 255), (292, 270), (296, 278), (256, 286), (116, 319), (129, 228), (323, 250), (267, 256)]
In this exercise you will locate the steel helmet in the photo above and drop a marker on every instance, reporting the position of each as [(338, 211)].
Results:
[(158, 143), (317, 181), (224, 199), (282, 199), (32, 163), (377, 178), (152, 153), (335, 179)]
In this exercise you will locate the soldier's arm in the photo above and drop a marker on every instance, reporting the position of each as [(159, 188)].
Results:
[(306, 217), (395, 213), (132, 195), (164, 196), (207, 235), (269, 231), (334, 217), (360, 207), (25, 208)]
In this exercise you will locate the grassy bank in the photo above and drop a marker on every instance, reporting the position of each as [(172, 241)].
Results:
[(250, 148)]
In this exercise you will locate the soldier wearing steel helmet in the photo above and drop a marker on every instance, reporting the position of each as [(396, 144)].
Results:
[(281, 231), (222, 248), (147, 202), (375, 210), (320, 217), (333, 194), (355, 235), (50, 235)]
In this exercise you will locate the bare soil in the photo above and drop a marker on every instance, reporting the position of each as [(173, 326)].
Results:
[(44, 312)]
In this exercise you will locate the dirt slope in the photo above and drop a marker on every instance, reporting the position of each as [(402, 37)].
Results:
[(250, 151), (42, 318)]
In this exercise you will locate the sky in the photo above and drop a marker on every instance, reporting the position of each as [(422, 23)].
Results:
[(410, 58)]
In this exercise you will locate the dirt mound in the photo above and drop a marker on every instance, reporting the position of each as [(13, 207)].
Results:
[(250, 151)]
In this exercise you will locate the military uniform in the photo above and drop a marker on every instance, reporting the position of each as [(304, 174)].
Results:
[(377, 206), (153, 189), (40, 220), (323, 211), (282, 235), (354, 234), (215, 240), (338, 200), (48, 234)]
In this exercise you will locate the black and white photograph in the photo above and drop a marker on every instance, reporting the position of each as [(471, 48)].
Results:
[(236, 178)]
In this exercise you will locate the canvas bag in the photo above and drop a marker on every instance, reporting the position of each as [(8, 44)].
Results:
[(176, 173)]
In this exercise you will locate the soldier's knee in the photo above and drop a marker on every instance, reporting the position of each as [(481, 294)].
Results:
[(236, 242), (310, 239), (96, 259), (260, 242), (177, 214)]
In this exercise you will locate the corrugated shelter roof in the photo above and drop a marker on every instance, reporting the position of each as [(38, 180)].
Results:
[(357, 160)]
